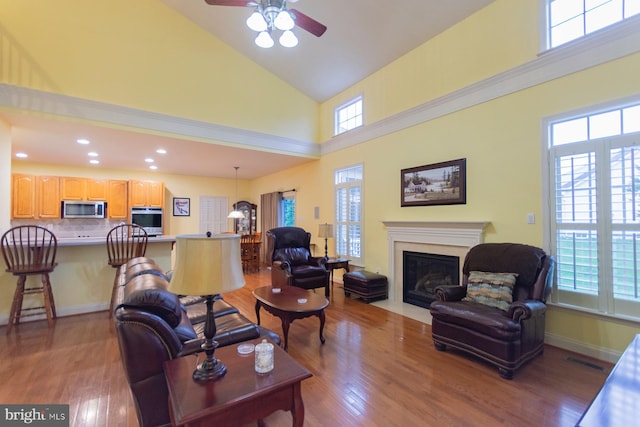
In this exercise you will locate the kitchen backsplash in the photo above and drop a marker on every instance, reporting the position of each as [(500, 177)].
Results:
[(79, 227)]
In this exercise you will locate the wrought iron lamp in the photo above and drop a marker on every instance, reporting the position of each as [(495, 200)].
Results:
[(325, 231), (207, 266)]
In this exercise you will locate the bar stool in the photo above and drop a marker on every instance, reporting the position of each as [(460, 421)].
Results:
[(30, 250), (124, 242)]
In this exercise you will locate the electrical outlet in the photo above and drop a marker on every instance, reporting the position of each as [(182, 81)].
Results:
[(531, 218)]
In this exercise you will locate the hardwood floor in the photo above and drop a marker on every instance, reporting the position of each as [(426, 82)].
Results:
[(376, 368)]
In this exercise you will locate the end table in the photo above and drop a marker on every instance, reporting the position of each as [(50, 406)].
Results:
[(335, 263)]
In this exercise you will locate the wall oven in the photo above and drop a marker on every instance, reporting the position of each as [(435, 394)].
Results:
[(151, 219)]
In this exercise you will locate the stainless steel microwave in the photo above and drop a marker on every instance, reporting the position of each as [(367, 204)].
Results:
[(77, 209)]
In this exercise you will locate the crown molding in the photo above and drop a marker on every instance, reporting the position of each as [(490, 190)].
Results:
[(48, 103), (603, 46)]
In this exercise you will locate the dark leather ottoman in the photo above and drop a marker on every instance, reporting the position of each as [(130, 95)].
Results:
[(367, 285)]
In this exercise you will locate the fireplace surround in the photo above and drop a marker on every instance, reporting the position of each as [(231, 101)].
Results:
[(435, 237)]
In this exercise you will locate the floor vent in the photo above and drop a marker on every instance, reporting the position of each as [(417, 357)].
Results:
[(585, 363)]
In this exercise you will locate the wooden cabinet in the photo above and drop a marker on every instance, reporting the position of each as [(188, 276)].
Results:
[(23, 196), (35, 197), (146, 193), (73, 188), (246, 225), (48, 197), (117, 202)]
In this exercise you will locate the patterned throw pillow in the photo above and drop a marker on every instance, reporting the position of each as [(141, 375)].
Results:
[(492, 289)]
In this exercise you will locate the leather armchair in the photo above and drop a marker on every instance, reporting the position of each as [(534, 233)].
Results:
[(505, 338), (291, 260)]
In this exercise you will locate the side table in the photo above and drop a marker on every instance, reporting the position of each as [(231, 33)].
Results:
[(241, 396), (335, 263)]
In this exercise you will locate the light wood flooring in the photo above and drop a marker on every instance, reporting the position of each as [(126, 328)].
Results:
[(377, 368)]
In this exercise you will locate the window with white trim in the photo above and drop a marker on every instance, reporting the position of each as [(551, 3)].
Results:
[(348, 231), (348, 116), (594, 212), (571, 19)]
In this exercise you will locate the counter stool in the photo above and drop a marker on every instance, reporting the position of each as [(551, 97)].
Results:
[(124, 243), (30, 250)]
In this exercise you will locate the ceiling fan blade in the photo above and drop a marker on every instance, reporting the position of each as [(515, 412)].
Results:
[(242, 3), (307, 23)]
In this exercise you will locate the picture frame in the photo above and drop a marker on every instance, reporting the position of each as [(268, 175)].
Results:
[(181, 206), (441, 183)]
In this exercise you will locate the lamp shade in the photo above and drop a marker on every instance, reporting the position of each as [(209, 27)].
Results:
[(207, 265), (325, 231)]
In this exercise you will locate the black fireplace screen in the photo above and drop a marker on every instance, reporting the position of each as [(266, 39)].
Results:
[(423, 272)]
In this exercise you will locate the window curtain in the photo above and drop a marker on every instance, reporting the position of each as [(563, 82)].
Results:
[(270, 203)]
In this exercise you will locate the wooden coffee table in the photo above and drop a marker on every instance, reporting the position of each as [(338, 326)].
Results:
[(287, 305), (241, 396)]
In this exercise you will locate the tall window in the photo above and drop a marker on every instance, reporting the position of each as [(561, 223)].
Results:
[(348, 187), (571, 19), (349, 116), (213, 214), (594, 171), (288, 210)]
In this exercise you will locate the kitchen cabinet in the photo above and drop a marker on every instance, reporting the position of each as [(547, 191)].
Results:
[(246, 225), (146, 194), (73, 188), (48, 197), (35, 197), (117, 201)]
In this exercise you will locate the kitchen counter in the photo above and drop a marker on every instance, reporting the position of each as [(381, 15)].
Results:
[(83, 279), (81, 241)]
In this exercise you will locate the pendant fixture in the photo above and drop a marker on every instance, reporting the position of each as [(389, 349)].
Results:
[(235, 214)]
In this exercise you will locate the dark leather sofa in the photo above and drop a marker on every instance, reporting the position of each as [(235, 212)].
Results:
[(291, 260), (154, 325), (507, 337)]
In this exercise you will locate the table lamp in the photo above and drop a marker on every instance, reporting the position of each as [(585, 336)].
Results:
[(207, 266), (325, 231)]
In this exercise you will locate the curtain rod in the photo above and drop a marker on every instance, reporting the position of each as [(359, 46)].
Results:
[(287, 191)]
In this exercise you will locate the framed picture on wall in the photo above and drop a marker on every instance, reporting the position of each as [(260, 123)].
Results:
[(436, 184), (181, 206)]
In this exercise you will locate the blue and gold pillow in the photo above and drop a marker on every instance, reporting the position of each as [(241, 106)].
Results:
[(492, 289)]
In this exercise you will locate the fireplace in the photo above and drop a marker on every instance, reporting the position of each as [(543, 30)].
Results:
[(423, 272)]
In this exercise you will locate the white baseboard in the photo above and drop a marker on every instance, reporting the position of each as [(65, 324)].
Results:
[(589, 350), (70, 311)]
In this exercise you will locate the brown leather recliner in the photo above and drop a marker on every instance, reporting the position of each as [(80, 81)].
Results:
[(155, 325), (291, 260), (506, 338)]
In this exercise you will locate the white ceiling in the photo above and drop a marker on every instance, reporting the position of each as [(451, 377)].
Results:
[(362, 37)]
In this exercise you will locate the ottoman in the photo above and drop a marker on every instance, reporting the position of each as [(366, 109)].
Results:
[(365, 284)]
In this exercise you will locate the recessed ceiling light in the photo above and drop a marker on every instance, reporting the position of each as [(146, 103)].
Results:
[(154, 167), (161, 151), (22, 155), (83, 141), (94, 161), (92, 154), (148, 160)]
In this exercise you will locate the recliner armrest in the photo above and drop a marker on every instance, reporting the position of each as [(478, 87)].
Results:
[(522, 310), (318, 261), (450, 293)]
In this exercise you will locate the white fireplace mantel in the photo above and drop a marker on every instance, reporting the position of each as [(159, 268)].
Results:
[(462, 235)]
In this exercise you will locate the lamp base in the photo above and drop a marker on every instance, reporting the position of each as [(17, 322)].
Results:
[(209, 370)]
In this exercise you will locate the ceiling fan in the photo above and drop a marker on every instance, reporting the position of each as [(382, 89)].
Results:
[(274, 14)]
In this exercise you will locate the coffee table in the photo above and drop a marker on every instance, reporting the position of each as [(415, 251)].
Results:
[(241, 396), (287, 305)]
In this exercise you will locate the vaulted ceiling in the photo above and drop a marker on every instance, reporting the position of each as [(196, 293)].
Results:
[(362, 36)]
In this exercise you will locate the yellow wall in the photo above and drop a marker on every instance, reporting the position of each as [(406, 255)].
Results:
[(144, 55), (5, 173)]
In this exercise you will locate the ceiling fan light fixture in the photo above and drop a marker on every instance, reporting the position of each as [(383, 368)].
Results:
[(256, 22), (264, 40), (288, 39), (283, 21)]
